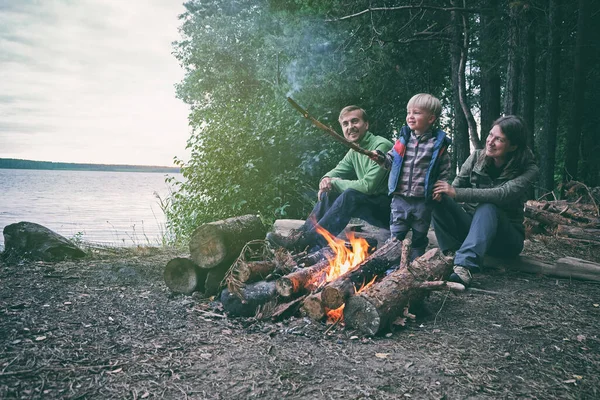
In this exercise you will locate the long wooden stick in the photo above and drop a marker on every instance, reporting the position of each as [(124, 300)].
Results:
[(329, 130)]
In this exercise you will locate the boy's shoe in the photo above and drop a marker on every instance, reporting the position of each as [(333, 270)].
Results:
[(297, 239), (461, 275)]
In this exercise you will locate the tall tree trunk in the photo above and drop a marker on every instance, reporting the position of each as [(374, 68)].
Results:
[(528, 102), (490, 74), (577, 96), (513, 67), (461, 130), (548, 139)]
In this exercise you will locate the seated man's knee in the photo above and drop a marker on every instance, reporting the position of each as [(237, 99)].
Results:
[(349, 196)]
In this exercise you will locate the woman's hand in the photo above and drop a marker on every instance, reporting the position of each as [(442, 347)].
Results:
[(442, 187)]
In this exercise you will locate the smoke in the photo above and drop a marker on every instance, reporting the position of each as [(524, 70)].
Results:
[(310, 65), (293, 78)]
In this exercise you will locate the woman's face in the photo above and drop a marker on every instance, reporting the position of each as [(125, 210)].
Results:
[(497, 146)]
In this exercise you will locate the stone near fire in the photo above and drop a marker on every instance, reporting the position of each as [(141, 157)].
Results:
[(28, 240)]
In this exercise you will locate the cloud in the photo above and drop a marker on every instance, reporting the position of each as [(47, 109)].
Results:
[(91, 81)]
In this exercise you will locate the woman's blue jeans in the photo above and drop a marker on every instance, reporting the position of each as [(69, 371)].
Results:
[(486, 231)]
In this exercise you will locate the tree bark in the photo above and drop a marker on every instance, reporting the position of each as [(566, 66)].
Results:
[(373, 310), (589, 234), (214, 279), (335, 293), (513, 68), (528, 100), (547, 143), (567, 267), (460, 142), (302, 279), (220, 242), (573, 141), (182, 275), (490, 71), (253, 271), (251, 297), (461, 23)]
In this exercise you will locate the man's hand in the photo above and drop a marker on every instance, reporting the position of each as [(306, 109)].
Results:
[(378, 157), (442, 187), (324, 186)]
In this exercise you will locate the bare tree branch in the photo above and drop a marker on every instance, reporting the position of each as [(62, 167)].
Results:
[(411, 7)]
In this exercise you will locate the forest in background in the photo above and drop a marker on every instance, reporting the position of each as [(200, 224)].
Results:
[(252, 153)]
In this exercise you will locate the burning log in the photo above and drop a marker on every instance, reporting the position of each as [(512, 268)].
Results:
[(182, 275), (220, 242), (301, 279), (335, 294), (249, 299), (374, 309)]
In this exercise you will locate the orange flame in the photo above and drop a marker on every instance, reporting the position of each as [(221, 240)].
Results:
[(345, 259), (364, 287), (334, 316)]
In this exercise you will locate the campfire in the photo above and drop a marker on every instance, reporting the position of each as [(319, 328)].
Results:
[(344, 280)]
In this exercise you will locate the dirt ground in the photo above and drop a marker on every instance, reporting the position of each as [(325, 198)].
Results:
[(107, 327)]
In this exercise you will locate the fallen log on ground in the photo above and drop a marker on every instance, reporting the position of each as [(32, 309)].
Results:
[(182, 275), (374, 309), (335, 293), (220, 242), (567, 267), (592, 235), (249, 299)]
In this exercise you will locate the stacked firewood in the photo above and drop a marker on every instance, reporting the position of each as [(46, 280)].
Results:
[(572, 221), (271, 283)]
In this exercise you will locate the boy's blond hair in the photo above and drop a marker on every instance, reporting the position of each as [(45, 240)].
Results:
[(426, 102)]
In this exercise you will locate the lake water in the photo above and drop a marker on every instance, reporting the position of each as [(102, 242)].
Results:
[(112, 208)]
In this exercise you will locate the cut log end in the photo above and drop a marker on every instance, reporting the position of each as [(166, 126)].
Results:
[(285, 287), (312, 307), (361, 315), (183, 276), (207, 246), (333, 297)]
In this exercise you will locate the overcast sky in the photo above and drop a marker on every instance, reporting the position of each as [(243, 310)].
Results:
[(91, 81)]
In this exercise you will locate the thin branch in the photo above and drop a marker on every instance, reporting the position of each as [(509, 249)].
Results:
[(419, 7)]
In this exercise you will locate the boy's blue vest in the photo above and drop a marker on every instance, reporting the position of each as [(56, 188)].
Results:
[(441, 144)]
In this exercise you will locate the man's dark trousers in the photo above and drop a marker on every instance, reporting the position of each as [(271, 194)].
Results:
[(334, 210)]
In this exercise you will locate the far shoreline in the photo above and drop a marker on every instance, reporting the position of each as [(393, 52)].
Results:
[(12, 163)]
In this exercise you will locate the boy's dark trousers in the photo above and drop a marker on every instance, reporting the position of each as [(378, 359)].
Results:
[(486, 231), (334, 210)]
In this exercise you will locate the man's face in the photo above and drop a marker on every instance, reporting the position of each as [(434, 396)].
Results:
[(353, 125)]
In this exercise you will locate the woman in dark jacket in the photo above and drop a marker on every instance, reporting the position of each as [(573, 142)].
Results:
[(492, 186)]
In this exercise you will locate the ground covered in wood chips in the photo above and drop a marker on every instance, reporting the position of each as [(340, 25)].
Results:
[(107, 327)]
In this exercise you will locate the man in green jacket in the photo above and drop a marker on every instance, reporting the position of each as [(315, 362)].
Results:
[(355, 188)]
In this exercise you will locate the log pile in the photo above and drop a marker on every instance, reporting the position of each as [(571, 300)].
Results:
[(213, 248), (576, 222)]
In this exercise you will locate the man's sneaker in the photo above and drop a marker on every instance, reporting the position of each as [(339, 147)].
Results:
[(461, 275), (294, 241)]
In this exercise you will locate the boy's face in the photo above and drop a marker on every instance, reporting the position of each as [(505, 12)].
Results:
[(419, 120), (353, 125)]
